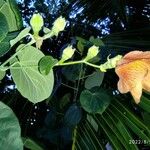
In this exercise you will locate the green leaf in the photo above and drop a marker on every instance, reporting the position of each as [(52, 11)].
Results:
[(73, 116), (46, 64), (96, 41), (95, 101), (92, 122), (30, 82), (5, 43), (81, 39), (2, 74), (10, 135), (119, 129), (131, 123), (145, 103), (80, 46), (86, 138), (129, 115), (3, 27), (109, 133), (30, 144), (10, 10), (21, 35), (94, 80)]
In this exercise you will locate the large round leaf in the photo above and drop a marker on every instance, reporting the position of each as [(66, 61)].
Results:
[(95, 101), (30, 82), (11, 12), (10, 136)]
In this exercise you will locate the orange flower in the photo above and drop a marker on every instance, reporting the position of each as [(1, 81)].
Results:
[(134, 73)]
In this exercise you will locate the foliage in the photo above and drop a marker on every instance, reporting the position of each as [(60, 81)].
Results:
[(89, 115), (27, 77), (10, 133), (95, 100)]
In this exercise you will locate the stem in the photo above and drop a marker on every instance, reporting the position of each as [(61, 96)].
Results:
[(74, 138), (70, 63), (77, 62), (92, 65), (8, 60), (48, 35)]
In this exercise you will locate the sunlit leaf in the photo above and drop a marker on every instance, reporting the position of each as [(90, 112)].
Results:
[(30, 82), (5, 36), (2, 74), (10, 135), (21, 35), (5, 43), (10, 10)]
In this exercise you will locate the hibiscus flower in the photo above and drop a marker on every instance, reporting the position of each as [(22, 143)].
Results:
[(134, 73)]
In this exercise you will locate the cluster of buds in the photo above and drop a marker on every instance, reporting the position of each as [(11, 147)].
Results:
[(37, 24)]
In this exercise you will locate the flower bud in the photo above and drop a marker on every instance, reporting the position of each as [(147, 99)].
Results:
[(59, 25), (36, 23), (67, 53), (92, 52), (111, 63)]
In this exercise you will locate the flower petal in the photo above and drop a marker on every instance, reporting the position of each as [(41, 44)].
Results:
[(131, 77), (137, 55), (123, 87), (134, 55), (136, 92)]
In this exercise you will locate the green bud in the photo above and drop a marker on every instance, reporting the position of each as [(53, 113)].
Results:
[(111, 63), (92, 52), (67, 53), (36, 23), (59, 25)]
